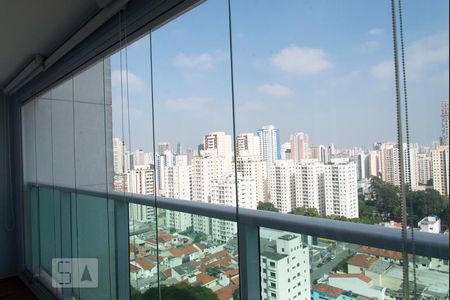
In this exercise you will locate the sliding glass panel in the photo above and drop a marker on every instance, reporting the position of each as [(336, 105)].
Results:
[(192, 264), (297, 266), (93, 224), (194, 146)]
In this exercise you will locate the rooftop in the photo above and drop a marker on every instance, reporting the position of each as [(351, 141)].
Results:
[(362, 260)]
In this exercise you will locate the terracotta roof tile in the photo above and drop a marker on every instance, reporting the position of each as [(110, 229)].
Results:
[(328, 289), (205, 278), (145, 264), (362, 260)]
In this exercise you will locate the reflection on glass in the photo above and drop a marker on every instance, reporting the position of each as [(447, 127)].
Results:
[(297, 266)]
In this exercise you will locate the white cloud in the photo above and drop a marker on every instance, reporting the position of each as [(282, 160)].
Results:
[(383, 71), (194, 103), (275, 90), (203, 61), (301, 60), (376, 31), (369, 46), (424, 55), (135, 83)]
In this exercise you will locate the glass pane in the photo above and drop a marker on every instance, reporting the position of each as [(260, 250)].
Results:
[(297, 266), (191, 264), (93, 236), (90, 108), (194, 145), (303, 87)]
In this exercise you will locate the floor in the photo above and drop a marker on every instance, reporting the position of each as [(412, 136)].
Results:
[(12, 288)]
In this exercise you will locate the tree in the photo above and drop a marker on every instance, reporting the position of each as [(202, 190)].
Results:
[(215, 271), (180, 291), (305, 211), (267, 206), (428, 202), (388, 200)]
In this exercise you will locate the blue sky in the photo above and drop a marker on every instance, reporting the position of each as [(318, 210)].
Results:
[(321, 67)]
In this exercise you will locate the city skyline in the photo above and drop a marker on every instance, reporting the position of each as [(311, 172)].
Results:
[(347, 98)]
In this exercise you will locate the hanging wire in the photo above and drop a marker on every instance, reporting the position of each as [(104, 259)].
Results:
[(408, 157), (401, 160), (152, 99), (230, 39)]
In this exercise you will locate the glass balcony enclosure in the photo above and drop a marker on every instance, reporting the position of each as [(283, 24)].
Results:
[(249, 150)]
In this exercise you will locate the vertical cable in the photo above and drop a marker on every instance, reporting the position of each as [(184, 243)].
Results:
[(233, 106), (154, 163), (401, 161), (408, 157)]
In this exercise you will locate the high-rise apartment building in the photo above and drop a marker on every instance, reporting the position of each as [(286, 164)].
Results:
[(217, 144), (329, 188), (281, 185), (444, 123), (362, 160), (247, 144), (374, 163), (440, 167), (223, 192), (163, 146), (390, 165), (411, 165), (309, 185), (424, 168), (320, 153), (299, 146), (141, 181), (285, 151), (255, 168), (285, 269), (269, 143), (120, 156), (341, 190), (178, 187)]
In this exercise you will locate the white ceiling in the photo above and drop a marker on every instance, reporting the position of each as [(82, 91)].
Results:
[(30, 27)]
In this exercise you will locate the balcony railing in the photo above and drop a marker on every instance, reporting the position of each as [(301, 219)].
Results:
[(68, 222)]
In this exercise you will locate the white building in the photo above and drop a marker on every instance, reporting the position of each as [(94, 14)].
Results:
[(390, 165), (309, 185), (223, 192), (178, 186), (341, 190), (439, 158), (361, 160), (253, 167), (374, 163), (430, 224), (120, 156), (281, 185), (217, 144), (247, 144), (320, 153), (331, 189), (424, 168), (411, 165), (285, 272), (269, 143), (285, 151), (141, 181), (299, 146)]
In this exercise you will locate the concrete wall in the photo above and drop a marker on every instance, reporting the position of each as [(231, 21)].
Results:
[(8, 232)]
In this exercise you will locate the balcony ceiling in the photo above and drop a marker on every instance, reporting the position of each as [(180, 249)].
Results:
[(29, 27)]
